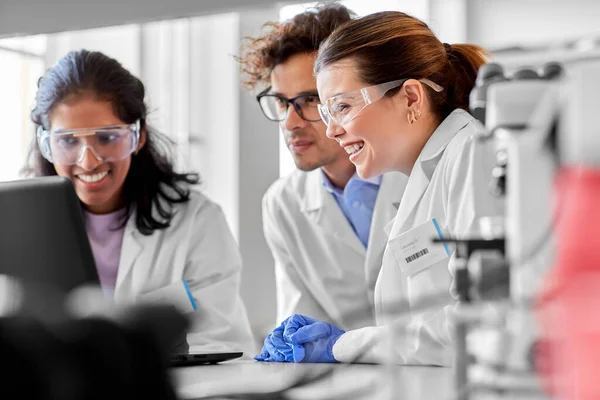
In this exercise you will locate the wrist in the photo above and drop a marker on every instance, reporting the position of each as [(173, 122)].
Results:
[(332, 350)]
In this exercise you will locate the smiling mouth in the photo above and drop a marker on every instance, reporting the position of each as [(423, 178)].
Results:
[(354, 147), (92, 178)]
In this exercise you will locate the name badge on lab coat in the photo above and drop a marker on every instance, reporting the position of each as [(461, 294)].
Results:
[(414, 249), (177, 294)]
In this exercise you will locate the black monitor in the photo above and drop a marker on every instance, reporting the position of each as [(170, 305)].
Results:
[(42, 234)]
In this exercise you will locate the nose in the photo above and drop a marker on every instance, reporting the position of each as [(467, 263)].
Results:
[(88, 159), (292, 120), (334, 130)]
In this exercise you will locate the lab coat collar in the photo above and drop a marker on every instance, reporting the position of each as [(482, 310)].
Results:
[(426, 164), (320, 206), (314, 192), (134, 243), (133, 265), (388, 227), (131, 248), (388, 200), (440, 138)]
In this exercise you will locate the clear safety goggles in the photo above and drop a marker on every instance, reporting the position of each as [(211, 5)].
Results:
[(107, 143), (343, 108)]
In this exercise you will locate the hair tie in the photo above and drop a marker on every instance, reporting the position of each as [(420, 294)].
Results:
[(448, 47)]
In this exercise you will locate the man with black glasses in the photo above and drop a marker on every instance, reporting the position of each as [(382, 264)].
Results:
[(323, 224)]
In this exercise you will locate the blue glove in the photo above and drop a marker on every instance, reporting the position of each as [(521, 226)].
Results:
[(275, 349), (312, 341), (301, 339)]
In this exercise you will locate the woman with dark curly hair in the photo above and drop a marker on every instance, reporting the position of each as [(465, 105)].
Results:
[(149, 230)]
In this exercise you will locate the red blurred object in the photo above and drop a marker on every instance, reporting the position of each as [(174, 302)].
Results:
[(568, 359)]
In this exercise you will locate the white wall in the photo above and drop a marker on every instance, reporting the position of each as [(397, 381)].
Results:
[(258, 168), (18, 83), (500, 23), (192, 91), (448, 20), (120, 42)]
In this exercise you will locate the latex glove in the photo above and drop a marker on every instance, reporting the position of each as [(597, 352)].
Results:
[(312, 342), (301, 339), (275, 349)]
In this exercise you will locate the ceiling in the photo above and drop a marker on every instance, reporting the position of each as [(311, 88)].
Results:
[(27, 17)]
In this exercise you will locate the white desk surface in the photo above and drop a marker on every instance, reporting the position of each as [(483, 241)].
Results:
[(347, 381)]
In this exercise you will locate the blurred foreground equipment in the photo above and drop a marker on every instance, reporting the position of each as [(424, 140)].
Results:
[(64, 355), (542, 338)]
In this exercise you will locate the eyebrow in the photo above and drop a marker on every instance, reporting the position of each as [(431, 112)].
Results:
[(347, 95), (312, 92), (87, 130)]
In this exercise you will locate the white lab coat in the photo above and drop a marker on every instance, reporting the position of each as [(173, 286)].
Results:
[(197, 247), (322, 269), (449, 182)]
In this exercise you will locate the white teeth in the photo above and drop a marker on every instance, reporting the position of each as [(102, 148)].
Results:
[(353, 148), (93, 178)]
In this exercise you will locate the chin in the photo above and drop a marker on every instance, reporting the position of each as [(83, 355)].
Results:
[(368, 171), (364, 173), (89, 202), (306, 167)]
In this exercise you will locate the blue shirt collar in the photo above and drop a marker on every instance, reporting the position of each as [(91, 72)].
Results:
[(332, 189)]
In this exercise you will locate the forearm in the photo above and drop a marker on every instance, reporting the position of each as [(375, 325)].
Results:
[(424, 340)]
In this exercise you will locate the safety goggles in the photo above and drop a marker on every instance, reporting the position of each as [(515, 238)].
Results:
[(276, 107), (107, 143), (343, 108)]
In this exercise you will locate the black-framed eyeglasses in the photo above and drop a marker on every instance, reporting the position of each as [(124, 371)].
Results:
[(276, 107)]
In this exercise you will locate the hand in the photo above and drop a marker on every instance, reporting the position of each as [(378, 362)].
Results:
[(301, 339), (275, 349)]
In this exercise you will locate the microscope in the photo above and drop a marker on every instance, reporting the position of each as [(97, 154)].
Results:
[(538, 337), (496, 343)]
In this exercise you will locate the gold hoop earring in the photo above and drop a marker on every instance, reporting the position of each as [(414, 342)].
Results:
[(411, 117)]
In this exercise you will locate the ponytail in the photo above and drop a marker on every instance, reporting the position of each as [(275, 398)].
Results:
[(464, 62)]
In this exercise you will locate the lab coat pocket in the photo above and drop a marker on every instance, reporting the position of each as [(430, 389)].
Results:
[(423, 263), (177, 294)]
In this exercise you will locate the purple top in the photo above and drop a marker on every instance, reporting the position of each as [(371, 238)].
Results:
[(106, 239)]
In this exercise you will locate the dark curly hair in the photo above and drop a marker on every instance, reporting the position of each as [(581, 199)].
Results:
[(278, 42), (151, 180)]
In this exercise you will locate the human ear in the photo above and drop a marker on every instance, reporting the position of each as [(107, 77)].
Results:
[(142, 141), (414, 94)]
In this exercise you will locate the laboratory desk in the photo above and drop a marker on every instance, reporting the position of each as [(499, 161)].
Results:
[(342, 381)]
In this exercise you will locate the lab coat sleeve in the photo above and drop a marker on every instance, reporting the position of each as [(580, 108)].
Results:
[(293, 297), (415, 339), (213, 271)]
